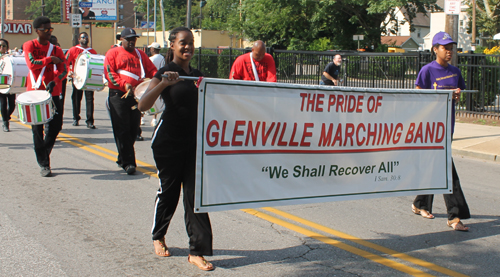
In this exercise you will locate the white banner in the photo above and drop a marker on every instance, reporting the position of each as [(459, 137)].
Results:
[(267, 144)]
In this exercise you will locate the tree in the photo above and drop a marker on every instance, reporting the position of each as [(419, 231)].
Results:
[(296, 23), (487, 17), (52, 10)]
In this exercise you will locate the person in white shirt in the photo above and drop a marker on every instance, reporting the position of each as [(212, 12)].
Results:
[(159, 61), (156, 57)]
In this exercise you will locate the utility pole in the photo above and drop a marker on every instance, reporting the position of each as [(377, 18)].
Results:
[(3, 17), (76, 30), (188, 14), (154, 30), (162, 12), (43, 8), (452, 29), (147, 22), (473, 42)]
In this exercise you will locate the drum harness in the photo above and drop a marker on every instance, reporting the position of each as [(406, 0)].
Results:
[(38, 83), (132, 75)]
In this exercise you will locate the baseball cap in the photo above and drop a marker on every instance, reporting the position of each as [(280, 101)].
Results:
[(128, 33), (155, 45), (442, 38)]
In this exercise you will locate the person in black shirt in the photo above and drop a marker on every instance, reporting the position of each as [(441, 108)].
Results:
[(331, 74), (174, 149)]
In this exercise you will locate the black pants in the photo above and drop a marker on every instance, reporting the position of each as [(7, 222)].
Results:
[(43, 145), (7, 105), (125, 121), (176, 165), (76, 98), (63, 94), (456, 206)]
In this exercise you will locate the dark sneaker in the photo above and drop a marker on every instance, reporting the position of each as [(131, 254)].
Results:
[(139, 138), (45, 172), (91, 126), (75, 123), (130, 169)]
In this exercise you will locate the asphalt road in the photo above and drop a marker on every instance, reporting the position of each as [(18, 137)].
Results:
[(91, 219)]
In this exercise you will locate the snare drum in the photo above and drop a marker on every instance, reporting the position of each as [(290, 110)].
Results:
[(14, 74), (88, 72), (158, 106), (35, 107)]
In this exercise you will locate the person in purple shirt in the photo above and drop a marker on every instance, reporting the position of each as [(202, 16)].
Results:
[(440, 75)]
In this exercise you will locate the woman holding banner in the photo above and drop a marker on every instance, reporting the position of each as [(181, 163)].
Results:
[(440, 75), (174, 149)]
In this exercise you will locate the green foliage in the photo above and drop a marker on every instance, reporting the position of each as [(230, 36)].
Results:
[(52, 10), (321, 44)]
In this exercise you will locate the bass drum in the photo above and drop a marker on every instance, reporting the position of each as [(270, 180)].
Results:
[(14, 73), (88, 72), (158, 106)]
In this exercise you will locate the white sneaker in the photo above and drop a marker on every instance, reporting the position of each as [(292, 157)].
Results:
[(142, 121), (154, 122)]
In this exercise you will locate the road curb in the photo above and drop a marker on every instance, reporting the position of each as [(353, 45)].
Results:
[(477, 155)]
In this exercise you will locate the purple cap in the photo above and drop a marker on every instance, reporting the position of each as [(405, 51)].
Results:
[(442, 38), (128, 33)]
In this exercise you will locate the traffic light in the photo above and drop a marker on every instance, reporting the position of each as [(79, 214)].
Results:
[(203, 3)]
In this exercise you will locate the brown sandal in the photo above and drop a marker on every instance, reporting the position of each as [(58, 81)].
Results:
[(457, 225), (161, 246), (423, 213), (204, 265)]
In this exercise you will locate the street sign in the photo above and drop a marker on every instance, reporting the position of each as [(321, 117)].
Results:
[(452, 6), (358, 37), (76, 20), (145, 23)]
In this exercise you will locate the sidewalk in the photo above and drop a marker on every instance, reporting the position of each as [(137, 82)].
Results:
[(477, 141)]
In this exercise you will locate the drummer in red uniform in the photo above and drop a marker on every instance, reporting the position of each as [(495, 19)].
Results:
[(41, 57), (125, 67), (77, 95)]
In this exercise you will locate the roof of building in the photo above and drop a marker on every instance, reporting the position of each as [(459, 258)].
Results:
[(394, 40)]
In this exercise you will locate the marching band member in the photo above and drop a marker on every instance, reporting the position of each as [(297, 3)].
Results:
[(7, 101), (125, 67), (174, 149), (41, 56), (77, 95)]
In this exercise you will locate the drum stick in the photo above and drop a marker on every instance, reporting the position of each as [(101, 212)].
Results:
[(126, 94)]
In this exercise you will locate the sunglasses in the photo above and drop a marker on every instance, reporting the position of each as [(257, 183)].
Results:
[(46, 30), (3, 45), (84, 37)]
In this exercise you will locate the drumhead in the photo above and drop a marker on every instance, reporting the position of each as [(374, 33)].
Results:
[(33, 96), (141, 89), (80, 69), (16, 68)]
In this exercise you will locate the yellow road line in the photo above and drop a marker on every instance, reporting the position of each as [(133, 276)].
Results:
[(376, 258), (371, 245), (73, 141), (365, 254)]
